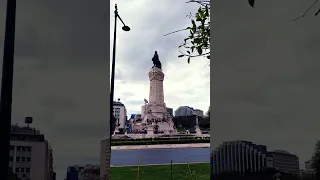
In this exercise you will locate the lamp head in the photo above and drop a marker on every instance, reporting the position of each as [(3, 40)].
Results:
[(126, 28)]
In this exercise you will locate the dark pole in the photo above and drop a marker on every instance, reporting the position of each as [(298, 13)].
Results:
[(113, 68), (6, 88)]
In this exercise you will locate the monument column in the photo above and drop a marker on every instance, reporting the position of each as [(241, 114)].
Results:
[(156, 78)]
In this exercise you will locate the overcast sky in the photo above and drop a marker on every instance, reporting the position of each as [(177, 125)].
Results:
[(61, 68), (264, 71), (265, 75)]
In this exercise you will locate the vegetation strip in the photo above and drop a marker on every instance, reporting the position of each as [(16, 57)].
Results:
[(198, 171)]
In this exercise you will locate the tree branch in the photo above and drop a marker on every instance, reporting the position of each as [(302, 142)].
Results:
[(195, 55), (176, 31), (201, 2), (306, 12)]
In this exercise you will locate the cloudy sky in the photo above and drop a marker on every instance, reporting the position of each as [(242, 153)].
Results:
[(265, 75), (184, 84), (61, 68)]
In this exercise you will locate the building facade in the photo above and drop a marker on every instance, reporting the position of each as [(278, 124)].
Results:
[(308, 167), (184, 111), (198, 112), (90, 172), (73, 172), (170, 111), (105, 159), (30, 154), (285, 162), (244, 156), (239, 156), (120, 113)]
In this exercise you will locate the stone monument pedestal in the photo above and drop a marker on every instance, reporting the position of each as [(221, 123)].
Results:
[(150, 130), (198, 131)]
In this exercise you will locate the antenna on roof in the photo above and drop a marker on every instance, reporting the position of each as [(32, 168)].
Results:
[(28, 120)]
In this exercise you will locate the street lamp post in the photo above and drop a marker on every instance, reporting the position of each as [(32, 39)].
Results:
[(6, 88), (125, 28)]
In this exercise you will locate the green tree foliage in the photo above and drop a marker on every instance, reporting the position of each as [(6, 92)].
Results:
[(316, 160), (113, 124), (208, 112), (189, 122), (197, 44)]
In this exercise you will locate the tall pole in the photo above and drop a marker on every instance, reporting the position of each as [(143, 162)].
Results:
[(6, 88), (113, 68)]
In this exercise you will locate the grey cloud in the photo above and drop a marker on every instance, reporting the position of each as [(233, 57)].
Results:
[(61, 67), (264, 75)]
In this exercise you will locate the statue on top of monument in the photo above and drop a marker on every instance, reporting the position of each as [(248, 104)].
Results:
[(156, 61)]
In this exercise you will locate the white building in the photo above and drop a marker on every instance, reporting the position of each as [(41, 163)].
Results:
[(184, 111), (90, 172), (120, 113), (198, 112), (30, 154)]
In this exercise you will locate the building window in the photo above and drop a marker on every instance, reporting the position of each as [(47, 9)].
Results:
[(23, 148), (27, 169), (11, 158), (17, 169), (11, 148), (18, 159), (28, 159), (23, 159), (23, 170), (28, 149), (18, 148)]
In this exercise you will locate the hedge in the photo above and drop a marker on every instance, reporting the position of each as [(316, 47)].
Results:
[(162, 141)]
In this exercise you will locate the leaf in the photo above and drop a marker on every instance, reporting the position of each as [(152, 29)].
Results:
[(207, 11), (199, 49), (180, 56), (188, 60), (194, 26), (251, 2), (198, 18)]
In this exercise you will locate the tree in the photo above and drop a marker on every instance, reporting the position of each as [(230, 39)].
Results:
[(208, 112), (197, 44), (315, 164), (114, 121)]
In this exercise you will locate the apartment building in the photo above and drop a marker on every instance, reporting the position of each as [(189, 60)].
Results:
[(30, 154)]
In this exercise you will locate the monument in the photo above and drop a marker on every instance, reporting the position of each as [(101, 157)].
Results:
[(154, 115), (198, 131)]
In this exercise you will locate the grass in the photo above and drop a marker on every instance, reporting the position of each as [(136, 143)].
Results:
[(198, 171)]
